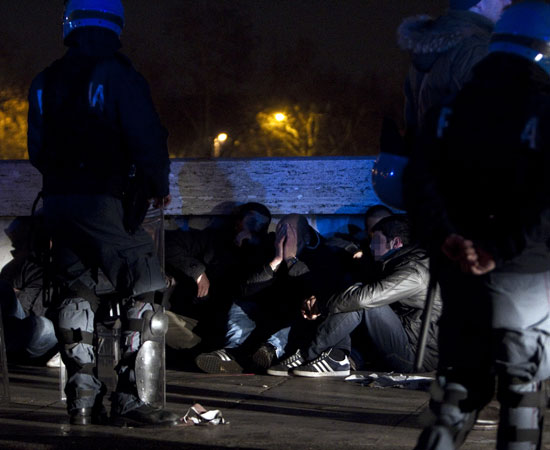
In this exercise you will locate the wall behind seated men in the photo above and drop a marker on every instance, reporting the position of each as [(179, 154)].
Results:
[(332, 191)]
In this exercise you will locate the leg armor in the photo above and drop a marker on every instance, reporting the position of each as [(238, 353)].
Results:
[(75, 335), (141, 372), (521, 414), (150, 360), (455, 418)]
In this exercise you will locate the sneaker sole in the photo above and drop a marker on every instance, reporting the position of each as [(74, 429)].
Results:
[(278, 373), (213, 364), (303, 373)]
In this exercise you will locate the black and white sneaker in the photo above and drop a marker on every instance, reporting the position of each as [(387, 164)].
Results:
[(324, 366), (282, 369), (219, 361)]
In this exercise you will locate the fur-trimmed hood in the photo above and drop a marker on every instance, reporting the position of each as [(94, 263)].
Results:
[(423, 35)]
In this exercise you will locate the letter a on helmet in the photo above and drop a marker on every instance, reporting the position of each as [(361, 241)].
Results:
[(107, 14)]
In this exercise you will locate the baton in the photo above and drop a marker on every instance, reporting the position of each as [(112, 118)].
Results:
[(162, 255), (426, 318)]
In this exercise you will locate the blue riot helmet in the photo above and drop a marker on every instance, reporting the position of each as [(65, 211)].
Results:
[(387, 179), (387, 171), (524, 30), (107, 14)]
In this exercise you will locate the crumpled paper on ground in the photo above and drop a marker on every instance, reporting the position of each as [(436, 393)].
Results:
[(198, 415), (397, 380)]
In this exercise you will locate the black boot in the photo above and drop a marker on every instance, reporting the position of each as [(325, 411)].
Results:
[(146, 416), (89, 416), (263, 358)]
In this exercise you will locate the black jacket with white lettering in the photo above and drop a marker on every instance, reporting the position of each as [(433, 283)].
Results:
[(482, 169), (91, 117)]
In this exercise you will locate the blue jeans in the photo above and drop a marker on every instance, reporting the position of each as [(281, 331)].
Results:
[(32, 334), (384, 329), (243, 318)]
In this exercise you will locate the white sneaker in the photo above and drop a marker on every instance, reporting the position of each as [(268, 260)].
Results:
[(54, 361)]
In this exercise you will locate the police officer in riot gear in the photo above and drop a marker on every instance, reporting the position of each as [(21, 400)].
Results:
[(91, 124), (478, 187)]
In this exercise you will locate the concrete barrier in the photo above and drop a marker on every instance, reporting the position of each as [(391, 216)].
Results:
[(331, 191)]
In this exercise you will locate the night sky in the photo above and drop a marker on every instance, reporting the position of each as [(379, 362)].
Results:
[(356, 37)]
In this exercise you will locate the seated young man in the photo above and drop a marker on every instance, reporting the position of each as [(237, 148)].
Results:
[(258, 324), (389, 305), (209, 266)]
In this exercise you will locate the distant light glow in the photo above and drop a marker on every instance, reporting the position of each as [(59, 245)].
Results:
[(391, 173), (539, 57), (279, 117), (222, 137)]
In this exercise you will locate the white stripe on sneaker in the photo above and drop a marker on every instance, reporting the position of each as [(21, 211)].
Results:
[(223, 355)]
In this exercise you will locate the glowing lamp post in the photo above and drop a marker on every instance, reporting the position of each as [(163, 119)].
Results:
[(280, 117), (219, 140)]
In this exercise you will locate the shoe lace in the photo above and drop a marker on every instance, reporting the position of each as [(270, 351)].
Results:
[(291, 359), (321, 357)]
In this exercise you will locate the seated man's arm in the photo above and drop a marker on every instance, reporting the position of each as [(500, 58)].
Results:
[(400, 285), (264, 276), (186, 250)]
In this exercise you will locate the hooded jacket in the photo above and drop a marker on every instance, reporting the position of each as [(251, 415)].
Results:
[(443, 52), (402, 283)]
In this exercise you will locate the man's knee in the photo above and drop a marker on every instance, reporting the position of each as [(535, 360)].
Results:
[(42, 335)]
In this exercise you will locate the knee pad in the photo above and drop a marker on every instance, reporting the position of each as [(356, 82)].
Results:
[(75, 333), (133, 326), (150, 358), (145, 322)]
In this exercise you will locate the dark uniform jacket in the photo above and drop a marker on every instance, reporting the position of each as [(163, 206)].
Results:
[(91, 117), (482, 168)]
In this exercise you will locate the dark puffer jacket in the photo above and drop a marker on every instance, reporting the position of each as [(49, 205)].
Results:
[(443, 52), (402, 283)]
